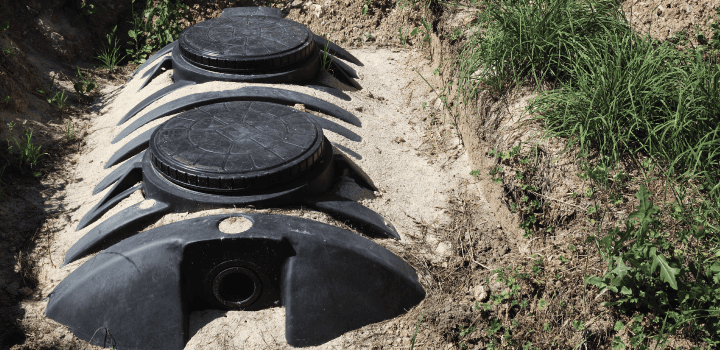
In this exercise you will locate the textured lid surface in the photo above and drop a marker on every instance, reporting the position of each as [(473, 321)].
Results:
[(246, 43), (236, 146)]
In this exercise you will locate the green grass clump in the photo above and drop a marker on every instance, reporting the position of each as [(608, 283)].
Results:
[(617, 94), (156, 26), (631, 94), (23, 148), (518, 40)]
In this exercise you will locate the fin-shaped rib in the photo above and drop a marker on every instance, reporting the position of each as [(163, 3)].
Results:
[(354, 211), (347, 69), (166, 63), (343, 76), (329, 90), (336, 50), (155, 56), (154, 97), (98, 211), (116, 228), (131, 148), (248, 93), (116, 174), (335, 127), (347, 150), (126, 181)]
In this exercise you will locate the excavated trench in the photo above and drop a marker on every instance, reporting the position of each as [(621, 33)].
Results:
[(241, 147)]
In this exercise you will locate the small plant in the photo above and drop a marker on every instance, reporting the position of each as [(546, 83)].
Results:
[(109, 55), (6, 99), (427, 29), (366, 7), (404, 37), (69, 130), (158, 25), (83, 85), (26, 152), (412, 342), (326, 59), (10, 49), (58, 100)]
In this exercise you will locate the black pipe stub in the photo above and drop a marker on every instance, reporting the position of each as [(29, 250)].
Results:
[(235, 287), (237, 147)]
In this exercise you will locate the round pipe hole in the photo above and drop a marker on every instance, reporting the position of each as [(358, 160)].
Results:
[(236, 287)]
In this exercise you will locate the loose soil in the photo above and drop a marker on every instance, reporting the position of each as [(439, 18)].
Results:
[(456, 228)]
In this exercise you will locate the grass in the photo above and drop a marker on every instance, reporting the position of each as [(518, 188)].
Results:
[(617, 96), (83, 85), (23, 148), (58, 99), (109, 56), (159, 24)]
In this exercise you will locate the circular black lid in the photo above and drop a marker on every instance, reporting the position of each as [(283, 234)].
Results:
[(236, 146), (246, 44)]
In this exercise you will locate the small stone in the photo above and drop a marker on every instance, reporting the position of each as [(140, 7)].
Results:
[(317, 10), (399, 139), (479, 293), (443, 249)]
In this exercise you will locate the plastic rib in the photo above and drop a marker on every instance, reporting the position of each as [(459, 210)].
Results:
[(329, 90), (347, 69), (336, 50), (347, 150), (98, 211), (154, 97), (335, 127), (248, 93), (155, 56), (131, 148), (126, 181), (116, 228), (166, 63), (346, 209), (343, 76), (116, 174)]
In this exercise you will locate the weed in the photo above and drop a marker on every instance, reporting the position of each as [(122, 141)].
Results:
[(326, 63), (10, 49), (427, 29), (412, 342), (70, 131), (647, 270), (366, 7), (109, 55), (158, 25), (83, 85), (58, 99), (6, 99), (404, 37), (26, 152)]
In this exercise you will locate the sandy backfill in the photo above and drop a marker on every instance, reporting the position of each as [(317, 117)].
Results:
[(412, 187)]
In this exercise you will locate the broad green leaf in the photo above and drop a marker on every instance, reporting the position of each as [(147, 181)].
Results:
[(715, 267), (619, 325), (667, 272), (132, 34)]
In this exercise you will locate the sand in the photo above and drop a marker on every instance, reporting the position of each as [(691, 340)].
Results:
[(411, 187)]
